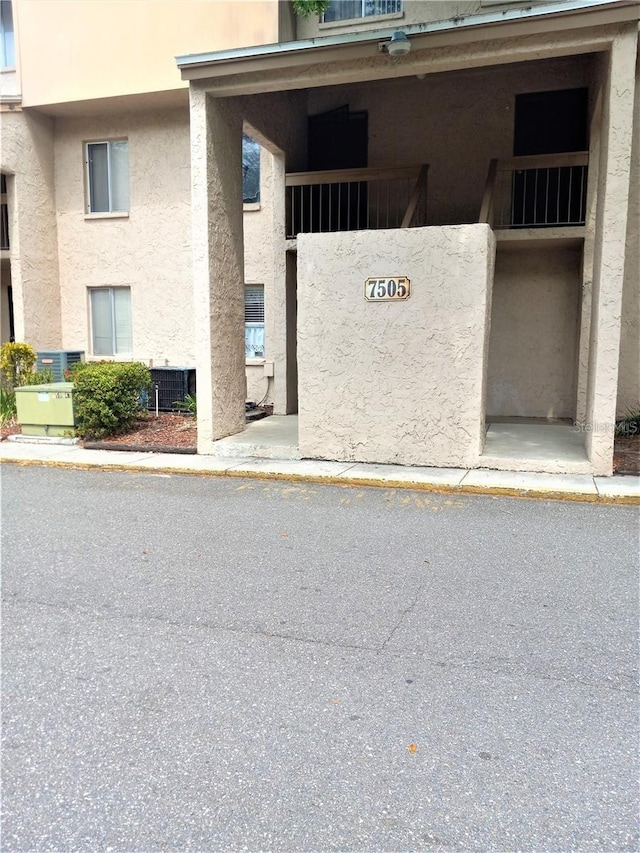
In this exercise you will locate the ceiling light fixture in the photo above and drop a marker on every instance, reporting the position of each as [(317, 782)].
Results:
[(398, 45)]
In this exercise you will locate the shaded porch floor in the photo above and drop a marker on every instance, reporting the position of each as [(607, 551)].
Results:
[(526, 445), (511, 445), (275, 437)]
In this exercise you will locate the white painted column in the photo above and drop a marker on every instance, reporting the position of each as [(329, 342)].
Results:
[(218, 266), (609, 250)]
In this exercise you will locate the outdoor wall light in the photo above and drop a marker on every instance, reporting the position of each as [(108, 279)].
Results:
[(399, 45)]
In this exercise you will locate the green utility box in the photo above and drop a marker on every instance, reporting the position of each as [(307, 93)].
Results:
[(46, 409)]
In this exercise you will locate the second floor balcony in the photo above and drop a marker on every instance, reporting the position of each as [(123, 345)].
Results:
[(532, 192)]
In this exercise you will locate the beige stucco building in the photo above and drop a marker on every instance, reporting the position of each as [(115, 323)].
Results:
[(58, 250), (486, 183)]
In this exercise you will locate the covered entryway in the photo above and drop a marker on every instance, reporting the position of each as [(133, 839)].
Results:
[(533, 349), (418, 392)]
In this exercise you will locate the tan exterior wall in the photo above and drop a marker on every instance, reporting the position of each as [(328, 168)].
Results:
[(629, 372), (149, 251), (454, 122), (401, 381), (414, 12), (258, 269), (609, 268), (100, 48), (26, 154), (534, 327)]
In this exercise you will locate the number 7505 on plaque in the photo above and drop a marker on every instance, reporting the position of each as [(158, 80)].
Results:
[(387, 289)]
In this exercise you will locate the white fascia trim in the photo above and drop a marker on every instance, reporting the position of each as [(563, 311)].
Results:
[(463, 22)]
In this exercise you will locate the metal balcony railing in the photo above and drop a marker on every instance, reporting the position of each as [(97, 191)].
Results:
[(4, 226), (536, 191), (356, 199), (4, 214)]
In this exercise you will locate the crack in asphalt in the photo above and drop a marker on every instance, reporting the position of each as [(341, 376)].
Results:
[(467, 664), (403, 614)]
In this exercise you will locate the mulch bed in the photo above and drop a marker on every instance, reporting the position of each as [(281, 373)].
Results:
[(164, 430), (10, 428), (626, 455)]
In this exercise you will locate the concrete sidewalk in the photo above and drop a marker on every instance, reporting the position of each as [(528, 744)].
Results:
[(580, 487)]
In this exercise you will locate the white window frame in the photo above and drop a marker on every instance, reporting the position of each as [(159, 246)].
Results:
[(7, 36), (363, 13), (114, 338), (252, 327), (89, 203)]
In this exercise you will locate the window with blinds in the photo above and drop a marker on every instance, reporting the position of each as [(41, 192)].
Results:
[(254, 321), (110, 320), (107, 165), (345, 10)]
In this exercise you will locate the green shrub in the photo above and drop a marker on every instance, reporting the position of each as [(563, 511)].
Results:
[(305, 8), (629, 425), (107, 396), (16, 363), (188, 405), (7, 405), (37, 377)]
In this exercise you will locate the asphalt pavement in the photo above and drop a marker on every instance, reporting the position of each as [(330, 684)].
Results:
[(202, 664)]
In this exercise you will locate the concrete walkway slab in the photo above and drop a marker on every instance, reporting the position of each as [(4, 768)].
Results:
[(190, 463), (23, 450), (486, 481), (406, 474), (581, 484), (294, 468), (613, 487), (104, 457), (275, 437)]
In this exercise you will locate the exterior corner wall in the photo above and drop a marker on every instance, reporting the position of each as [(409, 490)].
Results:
[(218, 266), (27, 156), (534, 329), (609, 249), (597, 76), (279, 122), (394, 382), (629, 369)]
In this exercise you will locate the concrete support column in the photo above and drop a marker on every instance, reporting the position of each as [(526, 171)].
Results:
[(609, 250), (218, 266)]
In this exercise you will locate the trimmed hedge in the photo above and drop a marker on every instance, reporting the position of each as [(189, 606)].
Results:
[(107, 396)]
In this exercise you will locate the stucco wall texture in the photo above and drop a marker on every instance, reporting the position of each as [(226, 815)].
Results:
[(534, 327), (149, 251), (629, 372), (402, 381), (26, 155)]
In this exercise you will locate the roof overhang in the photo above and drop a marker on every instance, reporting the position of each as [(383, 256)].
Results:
[(286, 65)]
